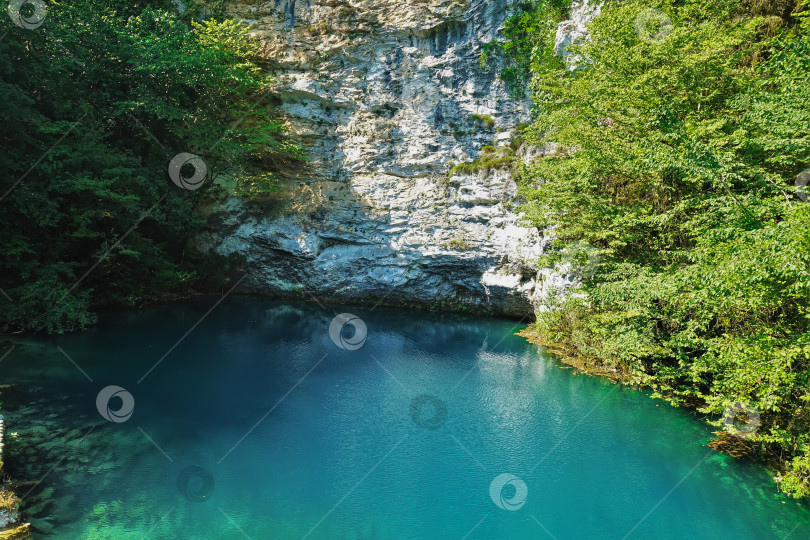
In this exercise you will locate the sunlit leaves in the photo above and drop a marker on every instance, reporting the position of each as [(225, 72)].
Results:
[(677, 159)]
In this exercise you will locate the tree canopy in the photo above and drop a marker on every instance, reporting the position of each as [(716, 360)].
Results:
[(677, 144), (98, 100)]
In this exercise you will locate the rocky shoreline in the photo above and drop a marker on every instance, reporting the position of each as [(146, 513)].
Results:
[(11, 528)]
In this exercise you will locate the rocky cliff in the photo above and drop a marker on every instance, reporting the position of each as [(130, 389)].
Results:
[(386, 95), (575, 29)]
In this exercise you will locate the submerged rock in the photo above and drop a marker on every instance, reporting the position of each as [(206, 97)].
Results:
[(9, 509)]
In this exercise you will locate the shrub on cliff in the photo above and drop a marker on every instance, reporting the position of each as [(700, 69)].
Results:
[(528, 42)]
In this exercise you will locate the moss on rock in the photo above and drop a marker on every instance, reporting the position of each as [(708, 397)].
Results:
[(20, 532)]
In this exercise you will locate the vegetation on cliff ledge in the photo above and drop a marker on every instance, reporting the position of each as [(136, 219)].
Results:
[(690, 123)]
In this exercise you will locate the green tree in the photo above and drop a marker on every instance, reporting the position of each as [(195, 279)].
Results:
[(528, 41), (679, 138), (99, 99)]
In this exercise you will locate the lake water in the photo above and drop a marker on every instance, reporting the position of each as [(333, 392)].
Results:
[(257, 424)]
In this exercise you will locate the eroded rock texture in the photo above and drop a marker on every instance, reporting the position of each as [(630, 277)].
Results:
[(386, 94)]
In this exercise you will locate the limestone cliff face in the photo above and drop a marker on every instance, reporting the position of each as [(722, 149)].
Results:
[(385, 94), (575, 29)]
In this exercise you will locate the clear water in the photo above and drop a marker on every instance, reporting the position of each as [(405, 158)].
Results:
[(295, 437)]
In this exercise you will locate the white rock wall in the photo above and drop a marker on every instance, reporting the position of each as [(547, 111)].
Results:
[(575, 29), (383, 93)]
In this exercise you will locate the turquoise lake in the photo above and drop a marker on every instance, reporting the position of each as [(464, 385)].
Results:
[(257, 424)]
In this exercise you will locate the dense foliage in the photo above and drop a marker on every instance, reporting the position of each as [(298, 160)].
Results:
[(678, 141), (96, 103)]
